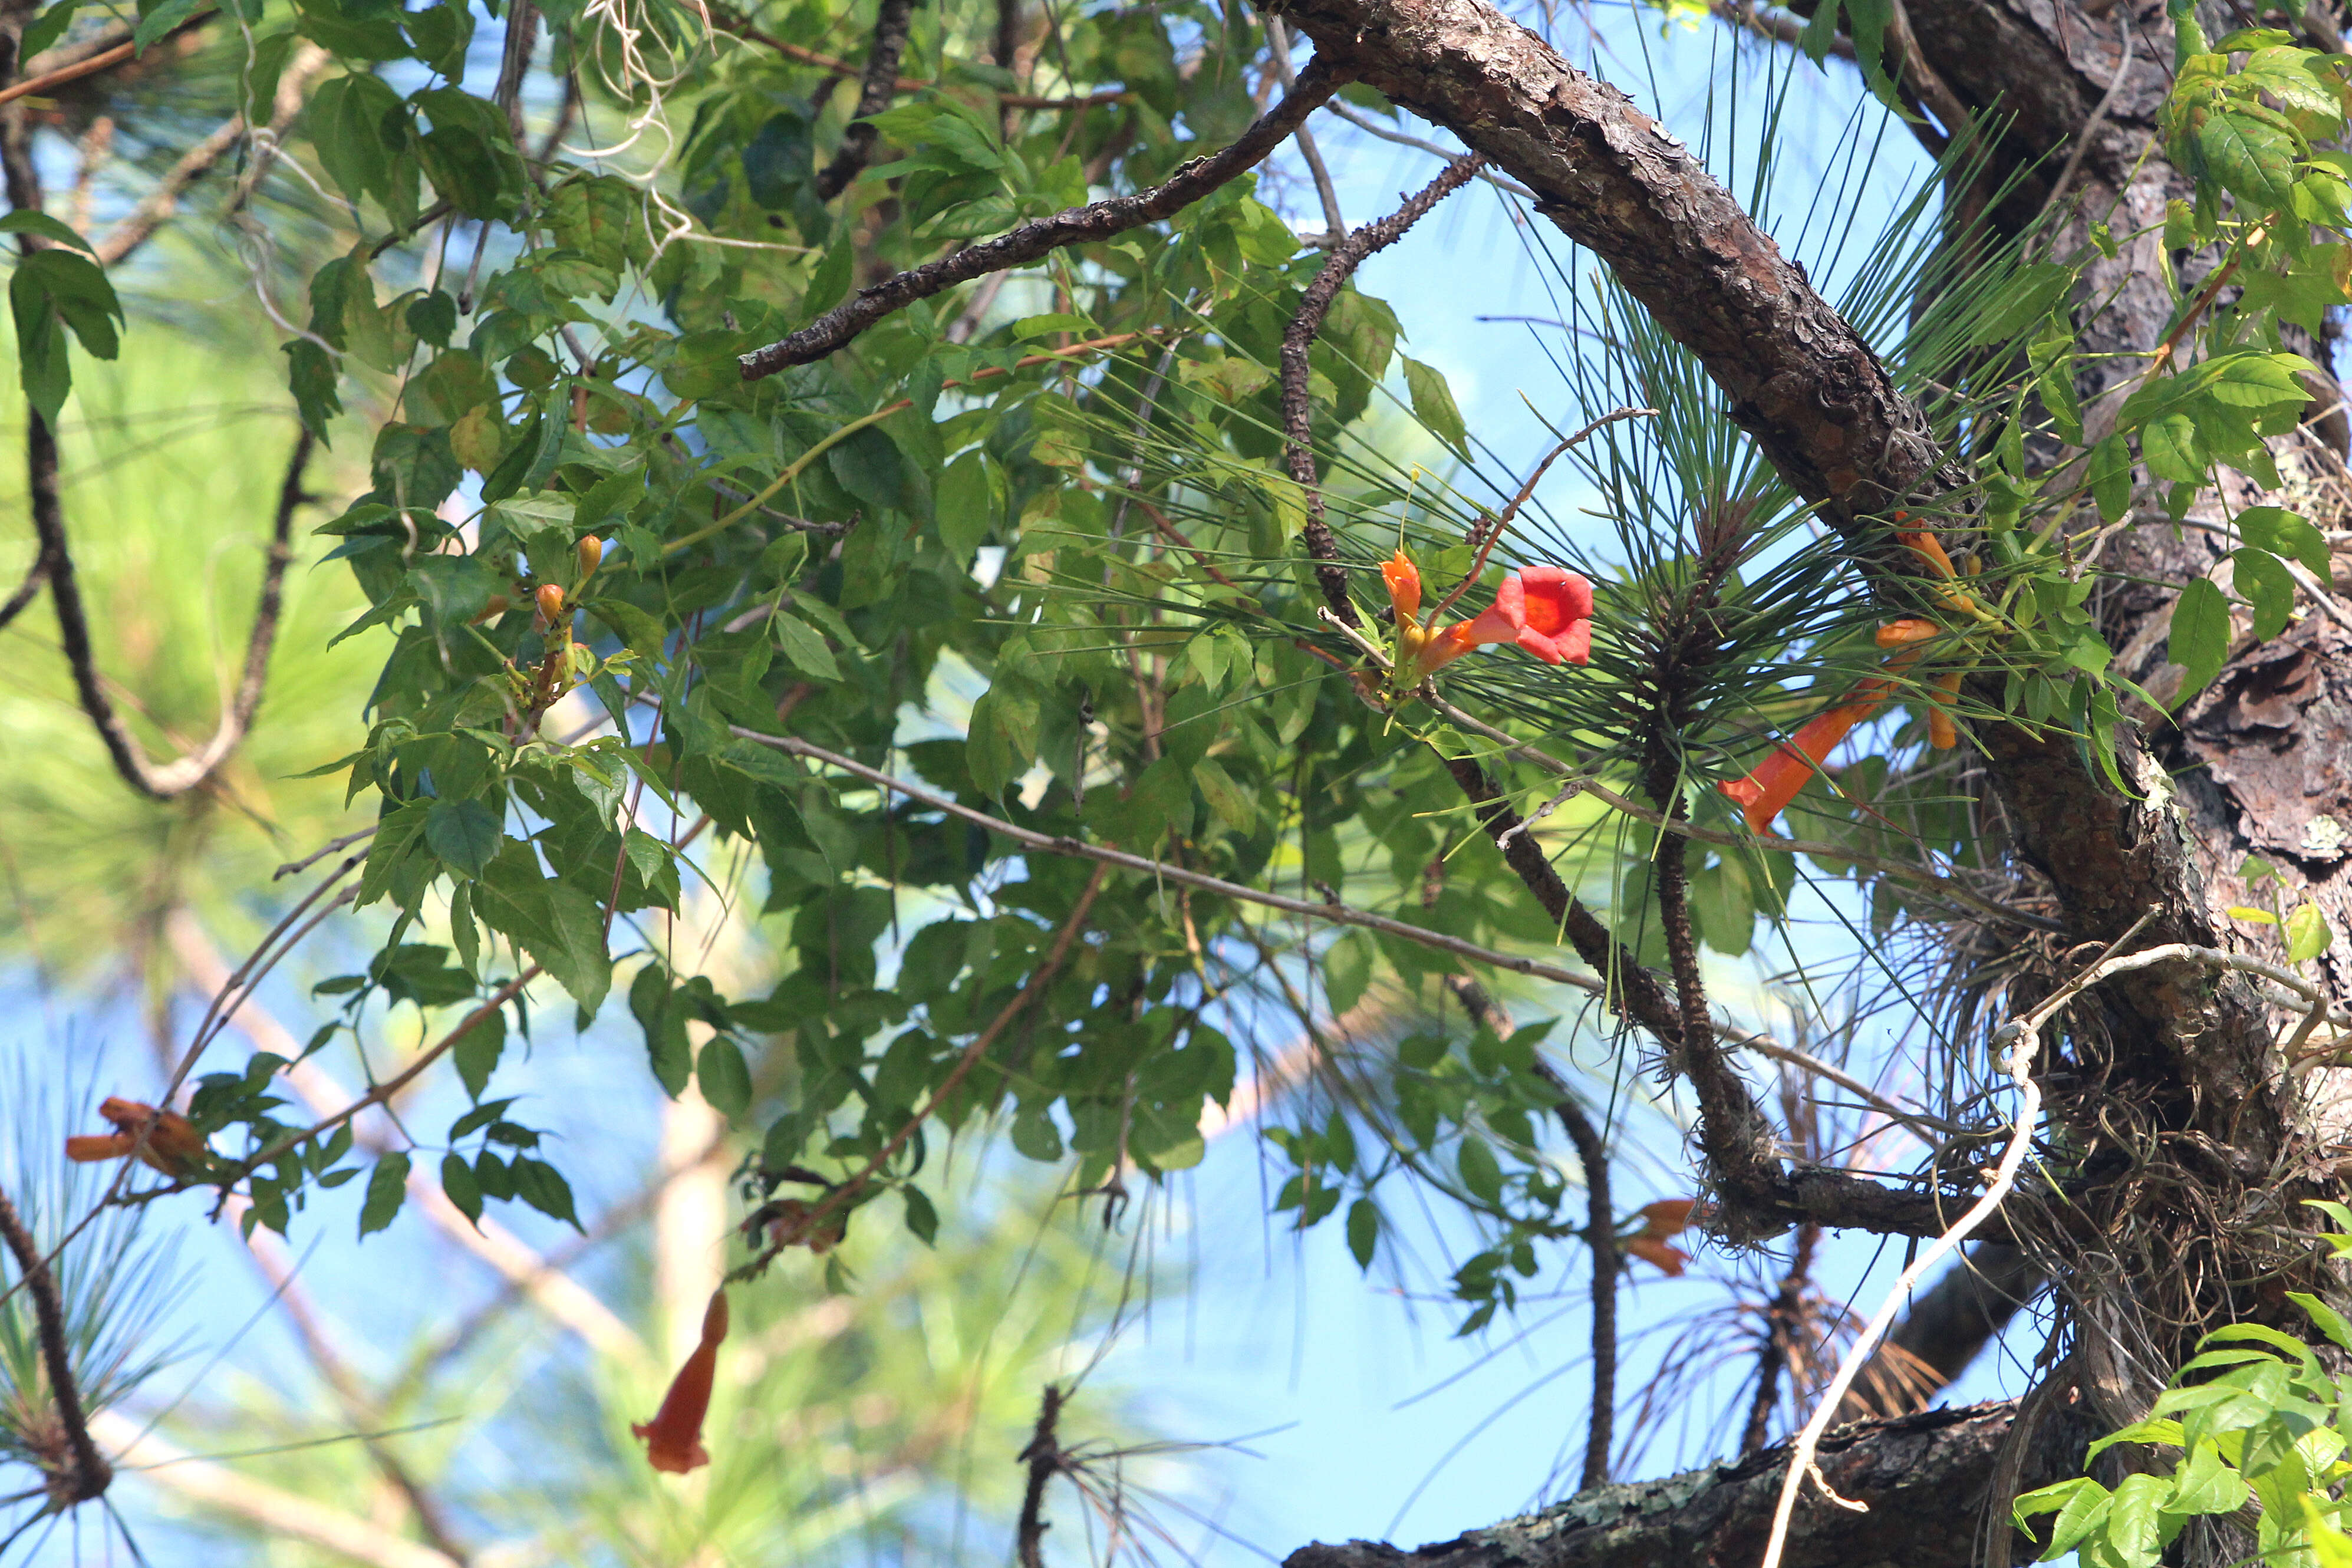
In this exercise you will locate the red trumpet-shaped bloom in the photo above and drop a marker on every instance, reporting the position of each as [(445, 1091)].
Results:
[(674, 1436), (1773, 783), (1546, 610)]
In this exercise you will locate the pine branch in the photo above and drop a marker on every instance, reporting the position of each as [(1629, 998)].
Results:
[(881, 84), (91, 1473), (1100, 220)]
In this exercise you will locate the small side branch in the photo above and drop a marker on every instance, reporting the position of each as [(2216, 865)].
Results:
[(1044, 1457), (1600, 1234), (1297, 415), (28, 590), (874, 96), (90, 1474), (1033, 241), (92, 64), (178, 777)]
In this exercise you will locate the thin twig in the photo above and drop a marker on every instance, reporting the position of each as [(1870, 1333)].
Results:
[(1277, 43), (91, 1473), (105, 60), (1782, 1318), (1600, 1232), (1031, 241), (1298, 413), (1044, 1457), (890, 27), (380, 1093), (304, 864), (1371, 127), (28, 590), (2128, 28), (514, 62)]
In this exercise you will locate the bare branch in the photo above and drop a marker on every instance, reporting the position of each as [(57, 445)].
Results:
[(91, 1473), (1928, 1476), (1043, 1458), (890, 26), (514, 61), (28, 590), (1600, 1232), (1372, 127), (1278, 39), (1298, 413), (1018, 248), (175, 778), (137, 226), (92, 64), (269, 1255)]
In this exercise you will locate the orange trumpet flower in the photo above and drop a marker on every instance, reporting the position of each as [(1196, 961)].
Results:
[(1773, 783), (674, 1436), (1547, 610), (173, 1144)]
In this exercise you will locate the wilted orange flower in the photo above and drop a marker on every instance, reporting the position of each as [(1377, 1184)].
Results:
[(674, 1436), (172, 1147), (1668, 1259), (1668, 1216)]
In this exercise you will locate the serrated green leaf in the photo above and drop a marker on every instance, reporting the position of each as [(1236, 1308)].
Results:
[(2111, 478), (805, 649), (476, 1052), (2284, 533), (1347, 971), (1234, 804), (922, 1219), (387, 1189), (2201, 637), (1481, 1172), (2252, 158), (464, 833), (1363, 1231), (2262, 582), (2308, 934), (457, 1181), (725, 1081), (1433, 405)]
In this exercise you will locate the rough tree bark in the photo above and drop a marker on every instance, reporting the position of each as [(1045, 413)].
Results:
[(2260, 764)]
